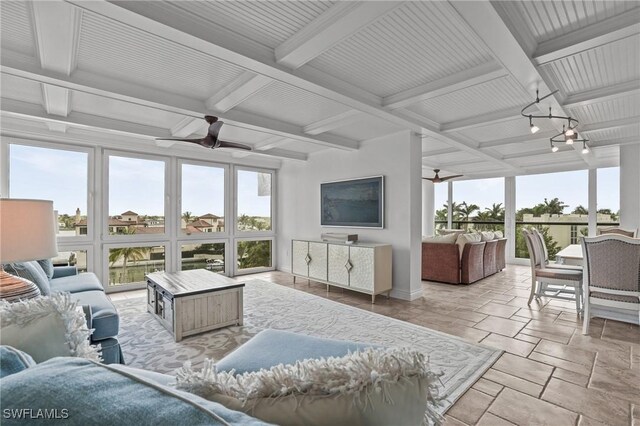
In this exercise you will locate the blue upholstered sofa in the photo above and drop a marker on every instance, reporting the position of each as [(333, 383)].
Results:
[(86, 289)]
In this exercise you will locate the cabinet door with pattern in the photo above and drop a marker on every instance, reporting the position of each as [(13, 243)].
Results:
[(318, 263), (299, 253), (338, 264), (362, 261)]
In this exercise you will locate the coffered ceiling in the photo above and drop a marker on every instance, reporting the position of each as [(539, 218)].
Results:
[(292, 78)]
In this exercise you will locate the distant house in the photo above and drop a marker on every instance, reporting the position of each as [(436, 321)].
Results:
[(216, 222), (127, 221)]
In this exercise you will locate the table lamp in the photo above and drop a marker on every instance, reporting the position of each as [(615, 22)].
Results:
[(27, 232)]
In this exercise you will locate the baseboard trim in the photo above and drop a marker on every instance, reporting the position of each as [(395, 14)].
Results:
[(406, 295)]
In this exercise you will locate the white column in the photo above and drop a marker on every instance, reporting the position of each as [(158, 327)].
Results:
[(510, 217), (449, 203), (593, 201), (415, 216), (630, 186), (428, 207)]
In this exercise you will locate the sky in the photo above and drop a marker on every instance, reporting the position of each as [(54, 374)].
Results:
[(134, 184), (138, 185), (569, 187)]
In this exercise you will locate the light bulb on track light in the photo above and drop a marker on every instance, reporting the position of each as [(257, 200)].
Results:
[(554, 148), (585, 148), (534, 128), (569, 132)]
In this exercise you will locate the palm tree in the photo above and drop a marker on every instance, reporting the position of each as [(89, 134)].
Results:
[(581, 210), (127, 253), (187, 217), (466, 210), (555, 206), (496, 212)]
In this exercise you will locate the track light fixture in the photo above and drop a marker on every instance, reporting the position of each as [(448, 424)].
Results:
[(569, 133)]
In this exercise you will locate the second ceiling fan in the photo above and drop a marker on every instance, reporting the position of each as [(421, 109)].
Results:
[(438, 179)]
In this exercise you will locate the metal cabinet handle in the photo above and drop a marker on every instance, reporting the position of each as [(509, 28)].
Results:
[(348, 266), (307, 259)]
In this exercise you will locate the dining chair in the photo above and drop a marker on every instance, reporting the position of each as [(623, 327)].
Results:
[(545, 252), (612, 278), (633, 233), (563, 284)]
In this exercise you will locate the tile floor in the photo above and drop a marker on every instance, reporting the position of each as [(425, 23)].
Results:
[(549, 374)]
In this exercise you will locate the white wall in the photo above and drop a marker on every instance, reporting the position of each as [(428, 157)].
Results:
[(398, 158), (630, 186)]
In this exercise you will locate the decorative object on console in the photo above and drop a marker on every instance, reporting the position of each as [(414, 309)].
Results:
[(46, 327), (20, 243), (438, 179), (353, 203), (339, 237), (211, 140), (569, 134), (365, 268)]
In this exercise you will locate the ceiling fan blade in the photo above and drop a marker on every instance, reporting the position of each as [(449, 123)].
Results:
[(214, 129), (234, 145), (197, 140), (450, 177), (431, 179)]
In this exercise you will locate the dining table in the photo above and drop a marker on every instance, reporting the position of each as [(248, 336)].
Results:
[(570, 255)]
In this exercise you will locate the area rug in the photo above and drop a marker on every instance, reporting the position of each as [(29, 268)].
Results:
[(146, 344)]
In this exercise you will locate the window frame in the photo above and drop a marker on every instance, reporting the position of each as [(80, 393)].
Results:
[(227, 254), (254, 234), (168, 211), (90, 151), (228, 194), (237, 271)]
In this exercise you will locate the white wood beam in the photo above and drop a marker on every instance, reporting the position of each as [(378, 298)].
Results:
[(232, 48), (269, 143), (115, 89), (56, 100), (13, 108), (518, 139), (489, 21), (241, 89), (539, 152), (334, 122), (187, 126), (612, 142), (337, 23), (57, 30), (617, 27), (467, 78), (603, 94), (439, 152), (610, 125), (458, 163), (478, 120)]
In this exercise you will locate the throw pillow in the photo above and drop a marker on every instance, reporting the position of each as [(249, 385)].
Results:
[(30, 271), (46, 327), (441, 239), (372, 387), (498, 235), (13, 361), (463, 239), (18, 288), (486, 236), (47, 267)]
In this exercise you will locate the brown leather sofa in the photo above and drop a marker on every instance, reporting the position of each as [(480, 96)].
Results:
[(442, 262)]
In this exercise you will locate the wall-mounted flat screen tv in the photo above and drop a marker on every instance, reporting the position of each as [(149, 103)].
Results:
[(356, 203)]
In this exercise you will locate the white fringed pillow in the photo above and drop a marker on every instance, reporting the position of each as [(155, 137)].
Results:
[(46, 327), (373, 387)]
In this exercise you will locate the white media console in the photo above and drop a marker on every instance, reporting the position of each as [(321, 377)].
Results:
[(365, 268)]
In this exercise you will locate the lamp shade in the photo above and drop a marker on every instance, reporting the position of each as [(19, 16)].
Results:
[(27, 230)]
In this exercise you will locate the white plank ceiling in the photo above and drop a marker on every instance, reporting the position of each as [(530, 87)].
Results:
[(292, 78)]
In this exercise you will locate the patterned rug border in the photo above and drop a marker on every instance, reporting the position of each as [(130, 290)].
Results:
[(461, 387)]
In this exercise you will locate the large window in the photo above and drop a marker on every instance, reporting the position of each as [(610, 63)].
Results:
[(441, 204), (479, 204), (608, 197), (136, 196), (53, 174), (254, 200), (203, 195), (128, 265), (208, 256), (556, 204), (254, 254)]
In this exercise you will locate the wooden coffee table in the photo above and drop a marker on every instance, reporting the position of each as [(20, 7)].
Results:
[(192, 302)]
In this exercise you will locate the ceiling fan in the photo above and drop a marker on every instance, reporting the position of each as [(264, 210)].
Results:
[(438, 179), (211, 140)]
